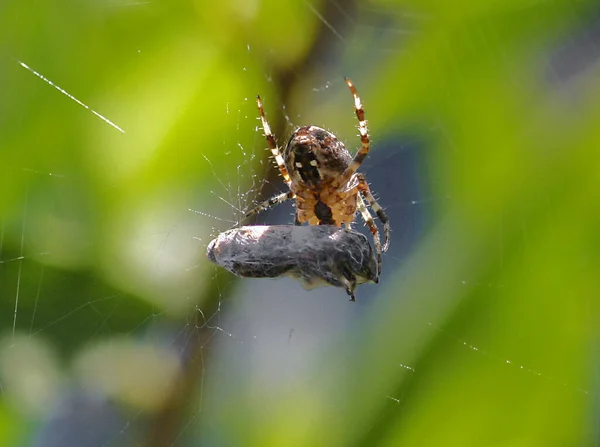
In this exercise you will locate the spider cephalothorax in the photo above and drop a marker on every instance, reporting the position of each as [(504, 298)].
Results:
[(322, 176)]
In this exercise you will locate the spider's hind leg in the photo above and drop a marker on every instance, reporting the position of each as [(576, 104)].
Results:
[(269, 203), (365, 143), (273, 143)]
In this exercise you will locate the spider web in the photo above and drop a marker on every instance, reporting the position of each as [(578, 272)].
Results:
[(134, 347)]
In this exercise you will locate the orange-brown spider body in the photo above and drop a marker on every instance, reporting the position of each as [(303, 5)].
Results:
[(315, 159), (322, 176)]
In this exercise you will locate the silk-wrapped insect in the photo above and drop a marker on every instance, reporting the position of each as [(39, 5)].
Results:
[(315, 255)]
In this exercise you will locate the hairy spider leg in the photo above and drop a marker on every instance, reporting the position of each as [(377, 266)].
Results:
[(273, 144), (368, 218), (364, 139), (269, 203), (280, 164), (364, 189)]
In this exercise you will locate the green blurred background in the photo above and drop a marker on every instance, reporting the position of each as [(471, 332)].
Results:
[(483, 330)]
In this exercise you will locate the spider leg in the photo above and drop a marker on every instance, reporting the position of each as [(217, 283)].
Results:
[(363, 187), (364, 139), (366, 215), (272, 143), (269, 203)]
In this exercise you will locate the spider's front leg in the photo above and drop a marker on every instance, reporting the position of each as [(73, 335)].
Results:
[(363, 187), (366, 215)]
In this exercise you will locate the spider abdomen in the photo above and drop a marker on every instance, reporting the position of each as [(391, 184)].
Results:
[(314, 157)]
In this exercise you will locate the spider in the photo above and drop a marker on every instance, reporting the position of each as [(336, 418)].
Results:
[(322, 176)]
